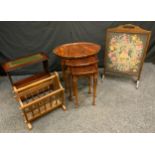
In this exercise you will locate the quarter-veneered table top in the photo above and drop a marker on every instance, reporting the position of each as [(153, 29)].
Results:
[(77, 50)]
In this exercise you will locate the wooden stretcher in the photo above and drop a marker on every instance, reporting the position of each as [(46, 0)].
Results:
[(37, 94)]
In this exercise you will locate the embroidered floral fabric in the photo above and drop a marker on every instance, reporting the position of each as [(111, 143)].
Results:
[(125, 52)]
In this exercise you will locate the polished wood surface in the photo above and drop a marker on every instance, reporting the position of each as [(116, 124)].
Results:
[(77, 50), (79, 59)]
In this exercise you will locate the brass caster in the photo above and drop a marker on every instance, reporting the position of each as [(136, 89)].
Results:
[(29, 125), (64, 107), (137, 84), (102, 77)]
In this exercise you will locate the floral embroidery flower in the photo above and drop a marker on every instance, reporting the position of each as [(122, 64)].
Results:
[(113, 58)]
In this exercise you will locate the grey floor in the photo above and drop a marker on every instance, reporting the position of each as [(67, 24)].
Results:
[(120, 108)]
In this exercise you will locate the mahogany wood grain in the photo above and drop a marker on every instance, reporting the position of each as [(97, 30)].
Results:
[(79, 59), (77, 50)]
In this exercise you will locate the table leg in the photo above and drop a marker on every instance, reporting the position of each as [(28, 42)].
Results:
[(70, 87), (10, 78), (90, 84), (75, 90), (73, 86), (94, 86), (45, 65), (64, 75)]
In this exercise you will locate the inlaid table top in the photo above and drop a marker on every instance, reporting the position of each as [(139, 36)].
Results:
[(77, 50), (23, 61)]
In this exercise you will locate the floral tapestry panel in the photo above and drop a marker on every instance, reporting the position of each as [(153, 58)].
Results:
[(125, 52)]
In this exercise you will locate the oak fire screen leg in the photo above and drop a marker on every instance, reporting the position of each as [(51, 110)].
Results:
[(75, 90), (138, 80), (103, 74), (137, 84)]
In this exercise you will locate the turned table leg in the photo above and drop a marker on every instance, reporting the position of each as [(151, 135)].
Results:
[(70, 87), (94, 87), (75, 90), (64, 75), (90, 84)]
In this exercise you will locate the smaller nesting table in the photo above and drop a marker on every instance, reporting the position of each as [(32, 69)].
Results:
[(25, 61), (79, 59)]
